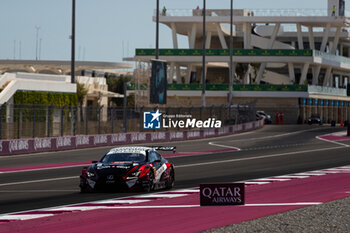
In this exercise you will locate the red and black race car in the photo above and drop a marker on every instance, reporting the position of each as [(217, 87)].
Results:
[(132, 168)]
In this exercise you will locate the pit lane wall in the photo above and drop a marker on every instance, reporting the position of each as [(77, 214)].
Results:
[(35, 145)]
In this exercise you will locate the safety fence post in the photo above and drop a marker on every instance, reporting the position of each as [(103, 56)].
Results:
[(34, 120), (141, 119), (74, 115), (19, 119), (1, 120), (61, 121), (87, 120), (99, 119)]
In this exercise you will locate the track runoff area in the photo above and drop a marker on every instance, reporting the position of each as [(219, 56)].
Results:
[(283, 168)]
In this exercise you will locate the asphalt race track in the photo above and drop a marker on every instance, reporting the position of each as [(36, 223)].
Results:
[(270, 151)]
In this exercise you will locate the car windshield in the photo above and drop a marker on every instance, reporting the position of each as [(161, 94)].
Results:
[(123, 157)]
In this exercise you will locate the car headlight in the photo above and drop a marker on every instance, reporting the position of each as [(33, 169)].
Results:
[(90, 174), (134, 175)]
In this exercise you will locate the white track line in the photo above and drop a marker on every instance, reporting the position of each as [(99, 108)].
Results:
[(47, 168), (338, 169), (225, 146), (283, 204), (293, 177), (37, 191), (43, 180), (255, 182), (24, 216), (258, 157), (120, 201), (185, 191), (73, 208), (312, 173), (274, 136), (151, 207), (160, 195), (334, 142), (192, 206), (34, 216), (272, 179)]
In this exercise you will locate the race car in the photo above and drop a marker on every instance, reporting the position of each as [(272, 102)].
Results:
[(131, 168)]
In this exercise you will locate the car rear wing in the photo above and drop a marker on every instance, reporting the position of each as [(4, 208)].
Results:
[(165, 148)]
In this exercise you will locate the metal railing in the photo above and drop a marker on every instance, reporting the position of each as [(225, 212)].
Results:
[(312, 89), (30, 121), (331, 57), (289, 12), (257, 12)]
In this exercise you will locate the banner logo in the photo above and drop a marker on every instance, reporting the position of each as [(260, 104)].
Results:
[(151, 120), (222, 194)]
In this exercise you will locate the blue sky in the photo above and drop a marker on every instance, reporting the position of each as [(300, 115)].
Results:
[(102, 26)]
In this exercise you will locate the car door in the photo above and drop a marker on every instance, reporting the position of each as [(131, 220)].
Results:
[(156, 160)]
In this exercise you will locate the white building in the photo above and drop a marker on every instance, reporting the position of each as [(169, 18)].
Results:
[(289, 47), (54, 76)]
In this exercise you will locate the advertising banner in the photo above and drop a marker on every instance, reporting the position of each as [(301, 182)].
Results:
[(210, 128), (226, 52), (158, 82), (341, 7), (221, 194), (238, 87)]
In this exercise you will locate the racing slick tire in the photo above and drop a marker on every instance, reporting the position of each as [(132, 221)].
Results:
[(150, 186), (171, 180), (85, 188)]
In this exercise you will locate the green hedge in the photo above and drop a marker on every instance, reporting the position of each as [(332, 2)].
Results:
[(45, 98)]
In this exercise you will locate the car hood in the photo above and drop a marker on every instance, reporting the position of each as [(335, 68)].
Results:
[(114, 168)]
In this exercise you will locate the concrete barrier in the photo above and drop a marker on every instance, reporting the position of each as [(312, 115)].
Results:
[(36, 145)]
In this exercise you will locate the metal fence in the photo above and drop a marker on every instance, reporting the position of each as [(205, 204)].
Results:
[(29, 121)]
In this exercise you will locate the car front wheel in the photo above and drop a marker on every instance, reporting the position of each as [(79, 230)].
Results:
[(150, 186), (171, 180)]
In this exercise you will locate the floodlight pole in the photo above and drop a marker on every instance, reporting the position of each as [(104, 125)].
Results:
[(125, 107), (36, 43), (203, 56), (73, 43), (157, 31), (231, 47)]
